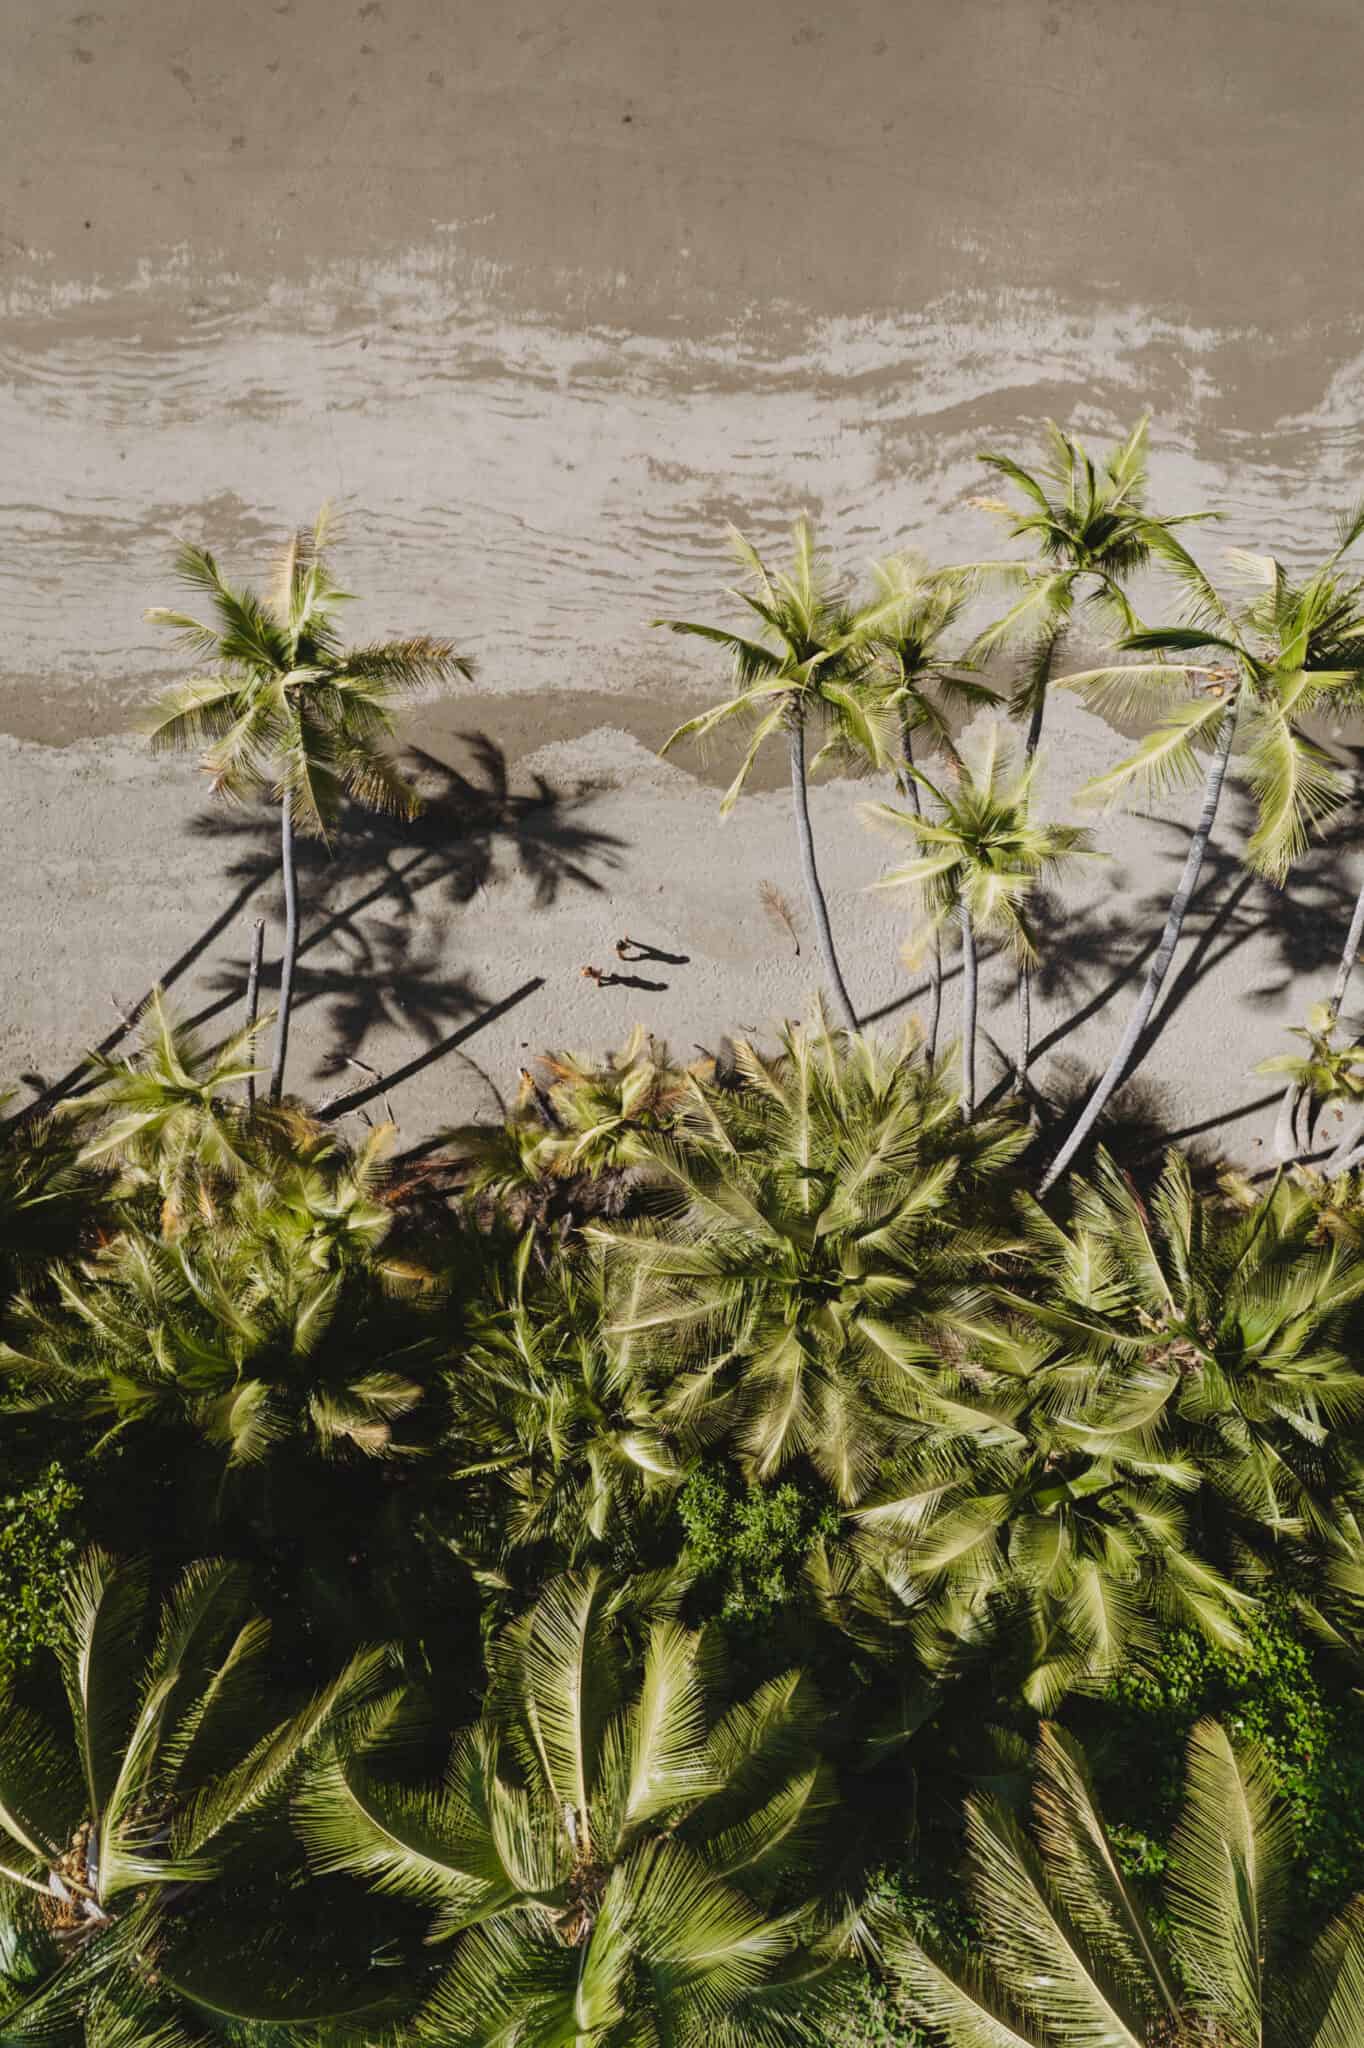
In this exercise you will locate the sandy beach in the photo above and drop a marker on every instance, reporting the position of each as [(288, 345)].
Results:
[(445, 955), (540, 299)]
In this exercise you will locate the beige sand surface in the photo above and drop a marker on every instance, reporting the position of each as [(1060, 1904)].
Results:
[(448, 953), (541, 295)]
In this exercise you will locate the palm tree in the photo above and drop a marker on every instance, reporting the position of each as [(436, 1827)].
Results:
[(48, 1198), (262, 1325), (1223, 1333), (1092, 532), (557, 1429), (1266, 666), (1070, 1953), (906, 624), (286, 707), (816, 673), (1325, 1072), (813, 1233), (575, 1142), (606, 1861), (165, 1114), (1028, 1513), (604, 1113), (318, 1205), (165, 1785), (977, 864)]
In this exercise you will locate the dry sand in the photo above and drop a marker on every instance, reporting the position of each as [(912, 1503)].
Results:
[(447, 954), (542, 296)]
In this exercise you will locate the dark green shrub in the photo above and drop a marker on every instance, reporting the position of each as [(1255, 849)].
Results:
[(40, 1536), (750, 1543), (1290, 1697)]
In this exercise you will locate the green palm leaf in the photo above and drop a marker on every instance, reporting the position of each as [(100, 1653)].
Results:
[(1228, 1879)]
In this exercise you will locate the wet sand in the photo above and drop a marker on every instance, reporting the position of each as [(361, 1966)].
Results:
[(541, 298)]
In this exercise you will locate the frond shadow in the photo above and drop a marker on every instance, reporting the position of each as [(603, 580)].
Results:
[(389, 970), (385, 871), (1138, 1128)]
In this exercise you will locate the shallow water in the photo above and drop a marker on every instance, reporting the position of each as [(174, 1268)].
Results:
[(542, 297)]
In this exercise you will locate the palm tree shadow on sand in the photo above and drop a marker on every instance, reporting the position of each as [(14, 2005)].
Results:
[(1088, 958), (1299, 929), (379, 874), (361, 897)]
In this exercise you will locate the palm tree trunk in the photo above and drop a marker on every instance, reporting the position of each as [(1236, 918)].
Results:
[(1041, 683), (1123, 1058), (1024, 1023), (1348, 1152), (286, 975), (1039, 712), (1292, 1102), (253, 995), (1286, 1141), (1354, 938), (916, 805), (800, 797), (968, 1016)]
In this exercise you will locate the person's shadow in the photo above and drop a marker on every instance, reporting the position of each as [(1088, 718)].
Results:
[(640, 949)]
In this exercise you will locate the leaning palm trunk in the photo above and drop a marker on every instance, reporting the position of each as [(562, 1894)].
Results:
[(1349, 1153), (1024, 1023), (1349, 1144), (1041, 679), (1039, 712), (286, 978), (935, 964), (1288, 1142), (253, 995), (795, 733), (968, 1016), (1124, 1058), (1354, 938)]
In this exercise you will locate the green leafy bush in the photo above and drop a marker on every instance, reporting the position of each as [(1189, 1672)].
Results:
[(1288, 1695), (39, 1539), (751, 1543)]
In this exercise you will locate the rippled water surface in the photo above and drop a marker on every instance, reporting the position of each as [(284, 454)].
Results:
[(544, 296)]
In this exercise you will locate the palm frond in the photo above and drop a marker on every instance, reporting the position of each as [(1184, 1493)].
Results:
[(1167, 758), (1228, 1878)]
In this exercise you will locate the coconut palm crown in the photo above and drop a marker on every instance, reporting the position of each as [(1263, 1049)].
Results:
[(262, 1324), (606, 1860), (806, 1243), (165, 1115), (1092, 531), (1224, 1333), (1028, 1514), (115, 1823), (978, 862), (558, 1437)]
